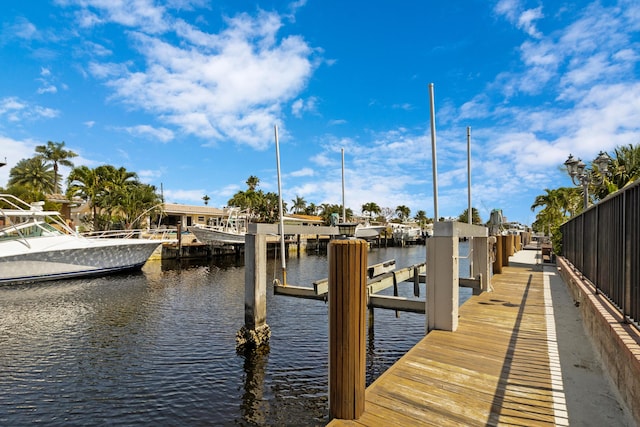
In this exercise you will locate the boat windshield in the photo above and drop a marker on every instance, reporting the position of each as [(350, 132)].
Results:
[(31, 229)]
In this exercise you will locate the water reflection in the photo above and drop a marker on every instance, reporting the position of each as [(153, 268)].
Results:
[(158, 347), (254, 405)]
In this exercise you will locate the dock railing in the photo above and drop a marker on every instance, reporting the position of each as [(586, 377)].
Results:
[(603, 244)]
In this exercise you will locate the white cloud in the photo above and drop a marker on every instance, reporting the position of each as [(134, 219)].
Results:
[(171, 195), (523, 19), (162, 134), (145, 14), (16, 110), (222, 87), (22, 29), (14, 151), (300, 106), (405, 106), (526, 21), (149, 175), (302, 172), (47, 88)]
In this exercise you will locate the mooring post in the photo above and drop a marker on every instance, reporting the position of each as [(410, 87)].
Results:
[(255, 331), (505, 251), (179, 237), (347, 327), (511, 246), (497, 263)]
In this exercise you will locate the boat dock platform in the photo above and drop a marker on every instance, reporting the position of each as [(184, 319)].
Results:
[(502, 366)]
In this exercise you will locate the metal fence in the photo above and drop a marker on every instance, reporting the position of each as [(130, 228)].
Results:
[(603, 243)]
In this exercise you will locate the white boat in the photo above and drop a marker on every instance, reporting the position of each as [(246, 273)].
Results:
[(37, 245), (405, 233), (230, 231), (368, 232)]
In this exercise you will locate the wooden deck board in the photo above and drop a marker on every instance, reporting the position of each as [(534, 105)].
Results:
[(494, 370)]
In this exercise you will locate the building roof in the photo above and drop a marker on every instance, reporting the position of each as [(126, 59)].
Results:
[(309, 219), (178, 209)]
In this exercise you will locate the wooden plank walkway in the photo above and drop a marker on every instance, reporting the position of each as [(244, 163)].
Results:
[(499, 368)]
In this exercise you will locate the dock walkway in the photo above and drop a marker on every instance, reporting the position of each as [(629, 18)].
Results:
[(501, 367)]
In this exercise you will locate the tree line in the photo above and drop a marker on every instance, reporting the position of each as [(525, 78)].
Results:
[(263, 207), (560, 204), (118, 200), (115, 196)]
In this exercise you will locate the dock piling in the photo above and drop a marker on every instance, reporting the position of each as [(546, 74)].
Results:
[(347, 327), (497, 263), (255, 331)]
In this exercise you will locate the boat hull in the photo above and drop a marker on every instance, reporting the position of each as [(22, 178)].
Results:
[(369, 232), (57, 258), (217, 237)]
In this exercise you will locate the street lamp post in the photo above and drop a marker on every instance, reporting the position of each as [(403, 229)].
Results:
[(581, 176)]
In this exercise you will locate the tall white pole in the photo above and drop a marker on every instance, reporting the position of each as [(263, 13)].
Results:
[(344, 208), (282, 245), (434, 162), (469, 209), (469, 173)]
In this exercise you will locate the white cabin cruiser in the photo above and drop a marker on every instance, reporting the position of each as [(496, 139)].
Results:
[(36, 245), (230, 231), (368, 232)]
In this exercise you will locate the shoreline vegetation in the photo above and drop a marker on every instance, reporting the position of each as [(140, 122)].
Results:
[(115, 198)]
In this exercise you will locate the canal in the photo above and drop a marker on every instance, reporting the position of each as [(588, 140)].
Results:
[(157, 347)]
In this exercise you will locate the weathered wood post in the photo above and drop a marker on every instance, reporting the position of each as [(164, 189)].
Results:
[(347, 327), (497, 263), (179, 237), (511, 244), (255, 331), (505, 251)]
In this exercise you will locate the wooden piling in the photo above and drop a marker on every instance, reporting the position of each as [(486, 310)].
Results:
[(511, 244), (347, 328), (497, 263), (505, 251)]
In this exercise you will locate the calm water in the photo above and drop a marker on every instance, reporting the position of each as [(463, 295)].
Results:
[(158, 348)]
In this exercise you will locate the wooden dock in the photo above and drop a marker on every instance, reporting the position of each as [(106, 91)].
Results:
[(500, 367)]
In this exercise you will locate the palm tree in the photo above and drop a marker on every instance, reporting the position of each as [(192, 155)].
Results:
[(253, 182), (403, 212), (625, 168), (34, 174), (328, 209), (421, 218), (138, 200), (299, 204), (54, 152), (475, 216), (268, 208), (312, 209), (238, 200), (371, 207), (84, 182), (115, 184), (557, 205)]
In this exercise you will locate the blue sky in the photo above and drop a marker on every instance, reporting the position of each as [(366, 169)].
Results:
[(186, 94)]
